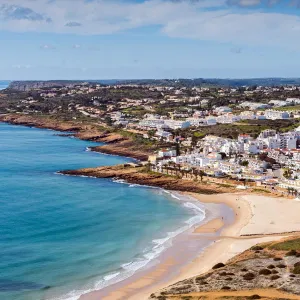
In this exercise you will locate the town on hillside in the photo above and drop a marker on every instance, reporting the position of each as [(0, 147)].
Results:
[(249, 134)]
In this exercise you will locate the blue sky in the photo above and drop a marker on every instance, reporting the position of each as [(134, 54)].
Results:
[(109, 39)]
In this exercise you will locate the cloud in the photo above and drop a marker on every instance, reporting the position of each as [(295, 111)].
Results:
[(15, 12), (21, 66), (73, 24), (47, 47), (244, 2), (76, 46), (239, 23)]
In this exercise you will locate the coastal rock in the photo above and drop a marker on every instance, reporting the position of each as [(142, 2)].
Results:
[(139, 175), (252, 270)]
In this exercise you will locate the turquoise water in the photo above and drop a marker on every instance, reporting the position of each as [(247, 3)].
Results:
[(62, 235), (4, 84)]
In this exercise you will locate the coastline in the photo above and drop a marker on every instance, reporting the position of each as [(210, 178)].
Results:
[(115, 143), (231, 242), (254, 223), (171, 259)]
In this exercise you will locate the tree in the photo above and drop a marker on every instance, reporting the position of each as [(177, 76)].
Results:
[(201, 174), (244, 163), (177, 149), (287, 173)]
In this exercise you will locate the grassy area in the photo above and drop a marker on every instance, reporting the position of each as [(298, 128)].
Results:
[(287, 245), (225, 185), (289, 108), (261, 191)]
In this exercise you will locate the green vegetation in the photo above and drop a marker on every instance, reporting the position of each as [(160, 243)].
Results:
[(287, 245), (256, 190), (289, 108), (225, 185), (296, 270), (218, 266)]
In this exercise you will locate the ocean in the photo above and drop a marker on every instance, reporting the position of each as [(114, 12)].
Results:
[(4, 84), (61, 236)]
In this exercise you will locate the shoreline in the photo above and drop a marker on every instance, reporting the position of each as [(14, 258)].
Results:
[(170, 258), (222, 248), (254, 223), (115, 143)]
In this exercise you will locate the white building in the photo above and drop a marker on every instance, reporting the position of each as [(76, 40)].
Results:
[(173, 124), (276, 114), (278, 103), (211, 121), (166, 153), (223, 110)]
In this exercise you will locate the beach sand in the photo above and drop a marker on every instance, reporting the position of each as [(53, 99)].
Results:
[(211, 226), (257, 219)]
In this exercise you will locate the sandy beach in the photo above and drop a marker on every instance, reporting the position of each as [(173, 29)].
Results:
[(256, 220)]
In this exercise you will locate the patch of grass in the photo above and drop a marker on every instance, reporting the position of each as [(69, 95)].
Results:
[(288, 108), (287, 245), (256, 190), (225, 185)]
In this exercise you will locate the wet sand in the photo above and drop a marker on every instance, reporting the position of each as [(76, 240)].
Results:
[(218, 240)]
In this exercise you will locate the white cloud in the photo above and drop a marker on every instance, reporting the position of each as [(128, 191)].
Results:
[(195, 19), (21, 66), (47, 47)]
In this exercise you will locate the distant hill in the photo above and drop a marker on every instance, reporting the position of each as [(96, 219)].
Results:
[(181, 82), (28, 85), (215, 82)]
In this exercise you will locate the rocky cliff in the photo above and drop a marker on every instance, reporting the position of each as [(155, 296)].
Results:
[(28, 85)]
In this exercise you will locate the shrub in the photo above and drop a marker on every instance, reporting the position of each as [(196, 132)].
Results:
[(249, 276), (296, 270), (257, 248), (274, 272), (226, 288), (254, 297), (291, 253), (265, 272), (275, 277), (277, 258), (292, 275), (218, 266), (244, 270), (228, 279), (271, 267), (281, 266), (297, 264)]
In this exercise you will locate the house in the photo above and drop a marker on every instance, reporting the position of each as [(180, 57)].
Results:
[(164, 134), (211, 121), (276, 114), (166, 153)]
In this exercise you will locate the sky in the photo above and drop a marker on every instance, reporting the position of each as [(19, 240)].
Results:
[(134, 39)]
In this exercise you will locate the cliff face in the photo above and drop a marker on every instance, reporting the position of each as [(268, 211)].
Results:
[(137, 175), (28, 85), (115, 144)]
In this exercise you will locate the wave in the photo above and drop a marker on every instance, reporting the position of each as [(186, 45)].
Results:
[(148, 255)]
